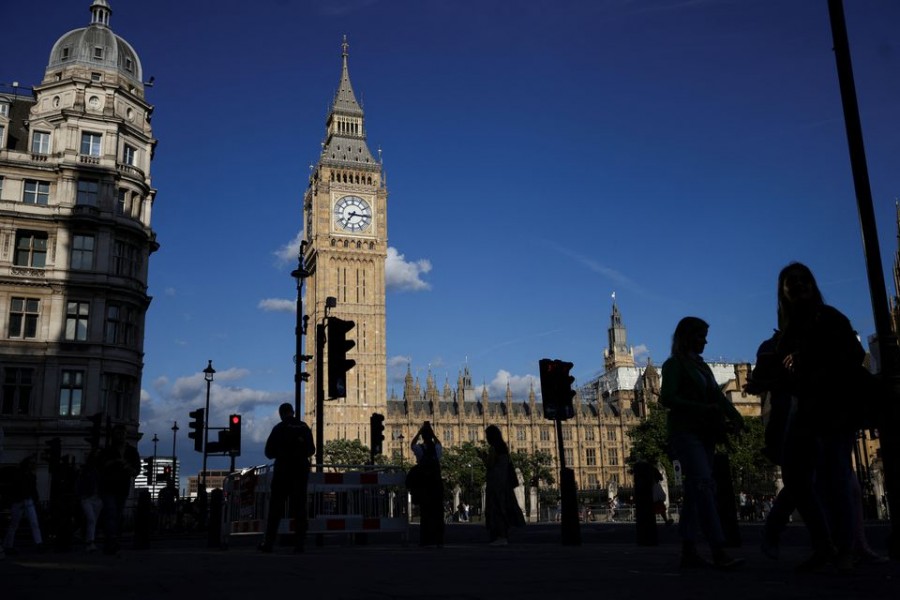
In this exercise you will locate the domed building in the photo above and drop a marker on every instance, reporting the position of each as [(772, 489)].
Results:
[(75, 209)]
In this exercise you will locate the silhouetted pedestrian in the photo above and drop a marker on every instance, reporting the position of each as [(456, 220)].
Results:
[(817, 362), (501, 511), (24, 496), (290, 445), (430, 486), (119, 464), (87, 487), (699, 417)]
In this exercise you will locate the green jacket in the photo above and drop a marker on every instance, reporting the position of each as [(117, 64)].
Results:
[(696, 403)]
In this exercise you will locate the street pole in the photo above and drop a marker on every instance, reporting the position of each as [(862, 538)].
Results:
[(174, 459), (208, 373), (886, 342), (151, 476), (299, 330)]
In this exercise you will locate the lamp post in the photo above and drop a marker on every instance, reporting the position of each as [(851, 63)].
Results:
[(300, 273), (402, 451), (151, 476), (208, 373), (174, 461)]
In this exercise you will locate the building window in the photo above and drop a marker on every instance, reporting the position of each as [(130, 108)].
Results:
[(23, 317), (129, 155), (117, 393), (17, 385), (40, 142), (82, 252), (589, 434), (96, 76), (448, 436), (77, 314), (31, 249), (36, 192), (64, 53), (545, 434), (590, 457), (126, 259), (4, 109), (88, 192), (567, 433), (129, 65), (570, 456), (473, 434), (611, 434), (121, 324), (98, 53), (520, 433), (2, 129), (613, 457), (592, 481), (90, 143), (71, 391), (121, 199)]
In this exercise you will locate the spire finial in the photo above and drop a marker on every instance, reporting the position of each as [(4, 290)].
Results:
[(345, 47)]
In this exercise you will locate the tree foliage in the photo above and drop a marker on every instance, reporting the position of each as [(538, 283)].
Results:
[(345, 452), (650, 441)]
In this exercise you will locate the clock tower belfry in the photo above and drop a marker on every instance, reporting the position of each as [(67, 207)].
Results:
[(345, 212)]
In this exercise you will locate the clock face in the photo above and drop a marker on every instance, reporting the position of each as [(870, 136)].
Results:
[(353, 213)]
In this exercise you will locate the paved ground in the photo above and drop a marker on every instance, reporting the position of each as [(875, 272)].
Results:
[(608, 563)]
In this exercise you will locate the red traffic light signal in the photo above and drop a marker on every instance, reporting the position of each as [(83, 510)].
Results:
[(338, 363), (234, 435), (556, 389)]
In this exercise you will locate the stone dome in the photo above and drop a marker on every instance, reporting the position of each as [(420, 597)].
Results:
[(96, 47)]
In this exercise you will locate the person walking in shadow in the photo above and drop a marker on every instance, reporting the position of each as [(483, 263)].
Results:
[(430, 486), (290, 445), (501, 509), (699, 417), (119, 464), (817, 361), (24, 497)]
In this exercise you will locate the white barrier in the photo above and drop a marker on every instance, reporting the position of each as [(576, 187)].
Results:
[(348, 502)]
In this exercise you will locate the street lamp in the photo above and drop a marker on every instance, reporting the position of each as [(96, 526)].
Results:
[(208, 373), (174, 461), (152, 475), (402, 451), (300, 273)]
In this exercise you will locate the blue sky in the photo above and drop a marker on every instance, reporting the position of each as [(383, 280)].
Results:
[(540, 155)]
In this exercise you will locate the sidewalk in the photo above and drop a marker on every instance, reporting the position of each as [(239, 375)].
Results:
[(534, 566)]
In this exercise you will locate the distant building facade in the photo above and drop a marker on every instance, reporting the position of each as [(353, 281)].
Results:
[(75, 242), (596, 441)]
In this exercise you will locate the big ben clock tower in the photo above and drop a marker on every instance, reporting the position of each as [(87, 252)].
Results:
[(345, 210)]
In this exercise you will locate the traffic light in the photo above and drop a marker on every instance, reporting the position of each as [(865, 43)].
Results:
[(376, 426), (166, 475), (234, 435), (96, 425), (338, 363), (196, 426), (148, 470), (556, 389)]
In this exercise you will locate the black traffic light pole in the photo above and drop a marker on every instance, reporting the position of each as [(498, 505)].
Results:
[(557, 394), (320, 396), (889, 354)]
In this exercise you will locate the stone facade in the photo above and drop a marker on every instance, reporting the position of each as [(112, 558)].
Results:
[(75, 242), (345, 209)]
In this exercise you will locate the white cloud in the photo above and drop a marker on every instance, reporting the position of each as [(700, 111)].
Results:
[(277, 305), (519, 385), (405, 276), (287, 254)]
